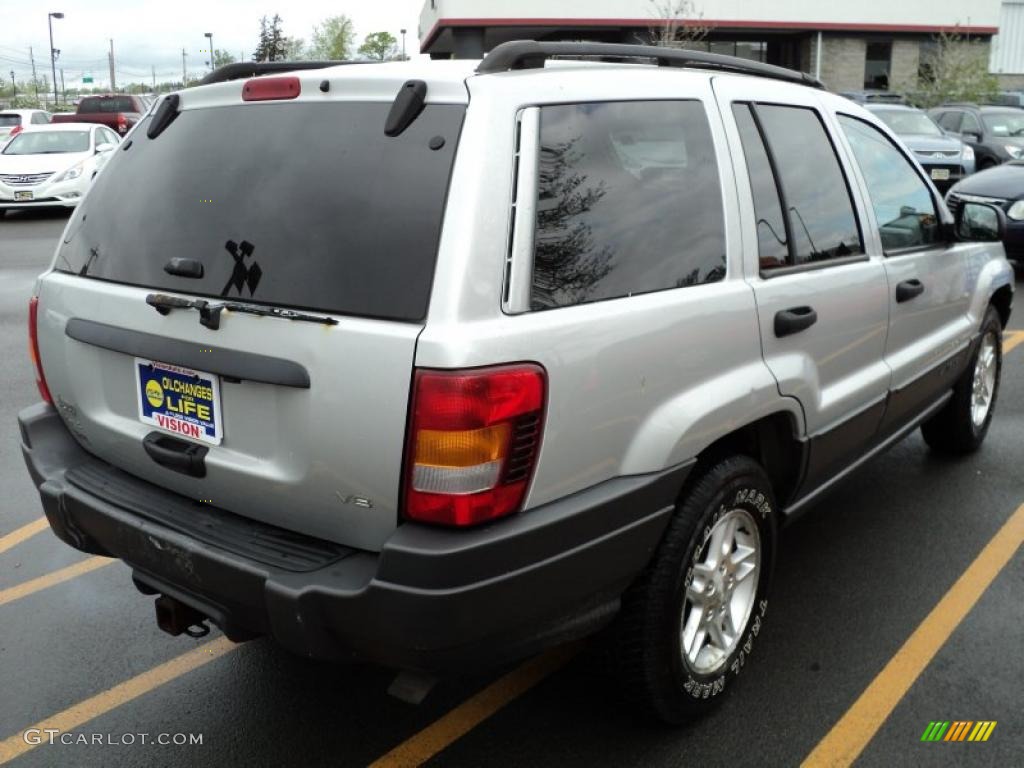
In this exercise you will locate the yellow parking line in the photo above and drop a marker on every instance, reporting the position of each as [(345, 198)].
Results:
[(1011, 340), (25, 532), (848, 737), (64, 574), (468, 715), (100, 704)]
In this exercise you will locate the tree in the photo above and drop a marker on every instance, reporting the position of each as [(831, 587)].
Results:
[(955, 70), (380, 46), (222, 58), (679, 24), (271, 46), (294, 49), (332, 39)]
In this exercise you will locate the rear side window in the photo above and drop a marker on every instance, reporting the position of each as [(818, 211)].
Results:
[(629, 201), (903, 205), (810, 186), (950, 121), (772, 238), (6, 121), (114, 104), (301, 205)]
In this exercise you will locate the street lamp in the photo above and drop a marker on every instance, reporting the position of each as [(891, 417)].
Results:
[(403, 45), (209, 36), (53, 52)]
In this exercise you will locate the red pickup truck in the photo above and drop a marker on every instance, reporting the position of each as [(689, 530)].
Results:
[(117, 111)]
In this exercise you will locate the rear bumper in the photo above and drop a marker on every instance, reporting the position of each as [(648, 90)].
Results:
[(432, 599)]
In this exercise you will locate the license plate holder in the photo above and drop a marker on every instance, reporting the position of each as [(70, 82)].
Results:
[(180, 401), (940, 174), (23, 194)]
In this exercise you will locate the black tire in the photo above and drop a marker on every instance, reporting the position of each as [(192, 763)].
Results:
[(953, 429), (986, 164), (649, 658)]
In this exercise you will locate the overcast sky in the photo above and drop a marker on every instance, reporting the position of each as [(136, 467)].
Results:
[(151, 33)]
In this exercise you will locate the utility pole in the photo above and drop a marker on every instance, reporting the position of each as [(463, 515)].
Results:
[(184, 75), (153, 68), (63, 90), (113, 82), (35, 82), (53, 52), (404, 57), (14, 86)]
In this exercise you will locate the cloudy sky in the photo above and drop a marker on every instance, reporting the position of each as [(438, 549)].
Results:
[(151, 33)]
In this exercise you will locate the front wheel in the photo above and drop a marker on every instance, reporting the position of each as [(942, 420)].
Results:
[(960, 427), (688, 626)]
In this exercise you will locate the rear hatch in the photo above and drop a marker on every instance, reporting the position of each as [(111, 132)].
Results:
[(302, 206)]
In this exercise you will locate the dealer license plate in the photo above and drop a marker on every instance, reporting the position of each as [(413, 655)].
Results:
[(940, 174), (179, 400), (22, 195)]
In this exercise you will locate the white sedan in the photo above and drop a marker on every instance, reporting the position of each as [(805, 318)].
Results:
[(53, 165), (13, 121)]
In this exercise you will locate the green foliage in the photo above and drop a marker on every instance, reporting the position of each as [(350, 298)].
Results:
[(294, 49), (222, 58), (955, 70), (380, 46), (271, 46), (332, 39)]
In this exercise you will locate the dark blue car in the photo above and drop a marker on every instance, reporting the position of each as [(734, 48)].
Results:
[(1004, 186)]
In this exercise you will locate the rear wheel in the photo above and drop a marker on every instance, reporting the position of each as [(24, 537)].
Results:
[(688, 626), (960, 427)]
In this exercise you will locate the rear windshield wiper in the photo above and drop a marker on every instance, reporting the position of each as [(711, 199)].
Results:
[(209, 314)]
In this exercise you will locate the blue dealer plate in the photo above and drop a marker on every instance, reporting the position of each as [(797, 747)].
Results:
[(179, 400)]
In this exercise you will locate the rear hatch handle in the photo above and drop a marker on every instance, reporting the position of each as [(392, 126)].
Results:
[(209, 314)]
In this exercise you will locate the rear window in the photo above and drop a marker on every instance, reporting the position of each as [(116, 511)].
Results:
[(308, 206), (6, 121), (113, 104)]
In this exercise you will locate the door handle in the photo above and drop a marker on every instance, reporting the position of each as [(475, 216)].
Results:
[(794, 320), (908, 289), (179, 455)]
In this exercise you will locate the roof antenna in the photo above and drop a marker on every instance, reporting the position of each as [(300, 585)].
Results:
[(407, 107)]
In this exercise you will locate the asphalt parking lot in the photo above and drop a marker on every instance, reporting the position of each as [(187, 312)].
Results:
[(866, 613)]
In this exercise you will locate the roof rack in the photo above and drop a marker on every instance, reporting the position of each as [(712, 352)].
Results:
[(241, 69), (530, 54)]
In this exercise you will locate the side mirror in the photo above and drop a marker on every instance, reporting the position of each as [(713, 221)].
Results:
[(980, 222), (972, 136), (106, 147)]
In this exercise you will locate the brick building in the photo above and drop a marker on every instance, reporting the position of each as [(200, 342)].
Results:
[(871, 44)]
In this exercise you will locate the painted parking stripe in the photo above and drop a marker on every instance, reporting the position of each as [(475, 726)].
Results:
[(100, 704), (27, 588), (848, 737), (468, 715), (25, 532), (1011, 340)]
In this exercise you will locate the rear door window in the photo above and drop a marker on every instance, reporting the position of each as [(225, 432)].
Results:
[(812, 188), (629, 201), (114, 104), (301, 205)]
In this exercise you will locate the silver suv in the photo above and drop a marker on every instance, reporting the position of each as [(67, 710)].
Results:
[(435, 364)]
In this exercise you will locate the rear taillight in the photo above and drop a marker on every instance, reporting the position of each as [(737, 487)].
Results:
[(14, 131), (473, 442), (33, 348), (122, 122)]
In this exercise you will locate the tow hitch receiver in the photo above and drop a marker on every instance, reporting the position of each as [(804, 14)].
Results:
[(176, 618)]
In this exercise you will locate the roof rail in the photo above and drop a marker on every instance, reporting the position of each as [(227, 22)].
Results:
[(530, 54), (241, 69)]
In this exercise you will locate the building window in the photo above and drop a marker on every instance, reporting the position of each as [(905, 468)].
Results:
[(877, 64)]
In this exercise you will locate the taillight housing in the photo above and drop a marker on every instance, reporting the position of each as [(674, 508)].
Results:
[(271, 88), (122, 122), (33, 348), (14, 131), (474, 436)]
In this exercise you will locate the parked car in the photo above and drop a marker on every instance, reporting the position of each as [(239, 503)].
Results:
[(996, 134), (874, 97), (13, 121), (118, 112), (52, 165), (1009, 99), (946, 159), (584, 340), (1002, 186)]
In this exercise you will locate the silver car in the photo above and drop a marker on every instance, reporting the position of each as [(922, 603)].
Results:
[(438, 363), (946, 158)]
